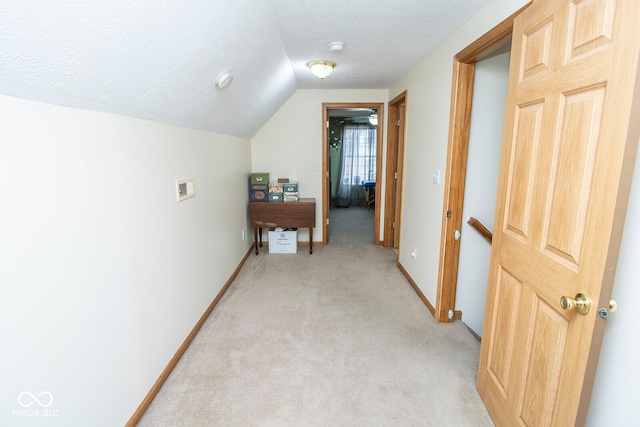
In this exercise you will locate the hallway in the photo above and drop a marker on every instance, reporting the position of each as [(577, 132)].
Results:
[(337, 338)]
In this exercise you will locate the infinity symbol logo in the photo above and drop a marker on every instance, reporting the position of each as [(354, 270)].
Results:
[(45, 403)]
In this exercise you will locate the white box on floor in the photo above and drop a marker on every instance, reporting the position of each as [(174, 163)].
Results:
[(283, 242)]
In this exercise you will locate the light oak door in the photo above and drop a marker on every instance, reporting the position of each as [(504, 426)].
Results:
[(397, 221), (571, 131)]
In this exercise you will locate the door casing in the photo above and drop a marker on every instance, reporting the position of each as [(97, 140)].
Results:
[(326, 183), (464, 64)]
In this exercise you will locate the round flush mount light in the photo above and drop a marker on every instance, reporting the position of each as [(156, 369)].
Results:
[(224, 80), (335, 47), (321, 68)]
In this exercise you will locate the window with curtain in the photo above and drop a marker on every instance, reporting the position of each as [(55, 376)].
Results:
[(357, 163)]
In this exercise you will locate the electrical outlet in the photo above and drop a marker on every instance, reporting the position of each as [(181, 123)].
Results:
[(243, 234), (414, 253)]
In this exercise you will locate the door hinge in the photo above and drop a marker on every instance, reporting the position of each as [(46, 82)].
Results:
[(395, 175), (327, 124), (327, 221), (393, 226), (448, 214), (397, 123), (327, 174)]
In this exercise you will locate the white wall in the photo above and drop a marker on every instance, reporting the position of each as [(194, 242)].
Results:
[(615, 394), (103, 274), (290, 144), (485, 142)]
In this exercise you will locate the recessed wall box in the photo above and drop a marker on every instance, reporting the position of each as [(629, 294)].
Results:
[(185, 189)]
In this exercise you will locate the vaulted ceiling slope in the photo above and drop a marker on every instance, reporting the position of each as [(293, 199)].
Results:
[(160, 59)]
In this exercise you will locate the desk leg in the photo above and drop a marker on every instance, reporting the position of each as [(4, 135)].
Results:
[(260, 234), (310, 240), (255, 238)]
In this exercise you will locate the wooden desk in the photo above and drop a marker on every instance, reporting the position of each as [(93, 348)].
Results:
[(282, 214)]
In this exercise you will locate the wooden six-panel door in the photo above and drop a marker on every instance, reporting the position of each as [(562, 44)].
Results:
[(567, 160)]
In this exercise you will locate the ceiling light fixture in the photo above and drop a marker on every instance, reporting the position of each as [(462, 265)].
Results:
[(321, 68), (224, 80)]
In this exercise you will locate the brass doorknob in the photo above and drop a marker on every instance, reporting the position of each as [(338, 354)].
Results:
[(581, 303)]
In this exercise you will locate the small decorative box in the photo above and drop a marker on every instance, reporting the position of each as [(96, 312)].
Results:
[(275, 197), (259, 195), (291, 187), (276, 188), (260, 178), (290, 197)]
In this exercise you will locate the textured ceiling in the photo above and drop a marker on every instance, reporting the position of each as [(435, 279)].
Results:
[(160, 59)]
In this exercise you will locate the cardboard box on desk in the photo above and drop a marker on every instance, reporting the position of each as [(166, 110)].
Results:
[(283, 242)]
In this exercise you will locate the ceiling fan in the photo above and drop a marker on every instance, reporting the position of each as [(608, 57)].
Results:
[(371, 118)]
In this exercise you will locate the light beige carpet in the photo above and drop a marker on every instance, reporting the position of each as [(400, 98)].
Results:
[(337, 338)]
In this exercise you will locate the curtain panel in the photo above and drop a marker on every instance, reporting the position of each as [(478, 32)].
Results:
[(357, 163)]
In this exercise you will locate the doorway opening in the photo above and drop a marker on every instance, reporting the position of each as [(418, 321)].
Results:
[(351, 125), (464, 64), (485, 146)]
